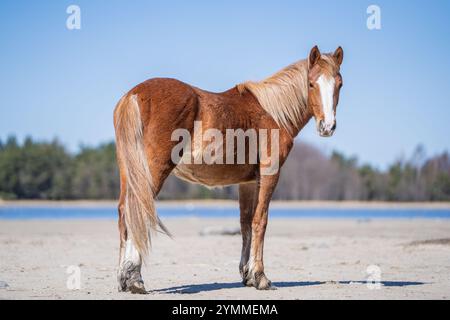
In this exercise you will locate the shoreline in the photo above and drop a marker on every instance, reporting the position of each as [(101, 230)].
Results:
[(233, 203)]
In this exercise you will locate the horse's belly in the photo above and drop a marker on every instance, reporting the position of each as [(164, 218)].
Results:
[(215, 174)]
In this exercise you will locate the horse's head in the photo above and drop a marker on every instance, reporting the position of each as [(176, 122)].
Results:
[(325, 82)]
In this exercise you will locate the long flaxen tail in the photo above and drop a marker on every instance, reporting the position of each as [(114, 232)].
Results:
[(139, 207)]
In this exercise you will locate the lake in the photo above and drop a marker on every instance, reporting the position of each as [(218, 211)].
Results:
[(202, 211)]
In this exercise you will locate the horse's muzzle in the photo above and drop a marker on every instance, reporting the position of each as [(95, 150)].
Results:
[(326, 130)]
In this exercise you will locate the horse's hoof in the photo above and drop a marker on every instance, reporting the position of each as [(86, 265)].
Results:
[(248, 282), (262, 283), (137, 287), (266, 286)]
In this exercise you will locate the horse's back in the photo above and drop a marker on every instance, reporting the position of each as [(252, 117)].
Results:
[(165, 105)]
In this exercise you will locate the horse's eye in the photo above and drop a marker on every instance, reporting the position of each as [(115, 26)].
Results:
[(311, 85)]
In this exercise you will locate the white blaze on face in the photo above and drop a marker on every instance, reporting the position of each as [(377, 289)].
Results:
[(326, 86)]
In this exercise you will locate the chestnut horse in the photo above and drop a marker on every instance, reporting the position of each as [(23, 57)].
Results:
[(148, 115)]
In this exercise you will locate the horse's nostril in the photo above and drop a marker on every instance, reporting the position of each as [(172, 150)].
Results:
[(334, 126)]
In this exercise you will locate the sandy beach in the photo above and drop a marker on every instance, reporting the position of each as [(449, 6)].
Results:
[(305, 258)]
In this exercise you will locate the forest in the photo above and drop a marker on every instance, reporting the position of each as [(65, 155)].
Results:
[(48, 171)]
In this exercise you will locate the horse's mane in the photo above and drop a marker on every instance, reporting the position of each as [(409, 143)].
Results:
[(284, 95)]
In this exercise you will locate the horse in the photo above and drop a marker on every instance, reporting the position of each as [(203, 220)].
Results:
[(146, 118)]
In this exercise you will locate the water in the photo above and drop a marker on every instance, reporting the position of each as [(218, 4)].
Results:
[(110, 212)]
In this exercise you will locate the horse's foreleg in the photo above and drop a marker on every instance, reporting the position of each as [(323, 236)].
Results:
[(247, 194), (256, 276)]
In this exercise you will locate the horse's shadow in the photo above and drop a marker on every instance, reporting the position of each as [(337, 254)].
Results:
[(206, 287)]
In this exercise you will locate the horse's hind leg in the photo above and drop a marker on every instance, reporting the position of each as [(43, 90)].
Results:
[(130, 263), (247, 194), (129, 275)]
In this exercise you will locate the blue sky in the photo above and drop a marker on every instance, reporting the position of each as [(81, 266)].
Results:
[(60, 83)]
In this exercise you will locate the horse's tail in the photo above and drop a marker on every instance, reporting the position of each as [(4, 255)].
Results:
[(139, 206)]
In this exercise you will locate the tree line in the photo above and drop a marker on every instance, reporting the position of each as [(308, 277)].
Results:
[(46, 170)]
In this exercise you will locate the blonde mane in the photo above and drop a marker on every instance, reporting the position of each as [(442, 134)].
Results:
[(284, 95)]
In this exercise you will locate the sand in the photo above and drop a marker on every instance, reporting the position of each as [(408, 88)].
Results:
[(305, 258)]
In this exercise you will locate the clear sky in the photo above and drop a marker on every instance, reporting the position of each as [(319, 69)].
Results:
[(60, 83)]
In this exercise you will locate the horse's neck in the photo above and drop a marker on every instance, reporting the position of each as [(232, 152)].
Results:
[(296, 129), (306, 112), (284, 96), (298, 74)]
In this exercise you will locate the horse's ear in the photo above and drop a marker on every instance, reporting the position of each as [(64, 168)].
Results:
[(314, 56), (339, 55)]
